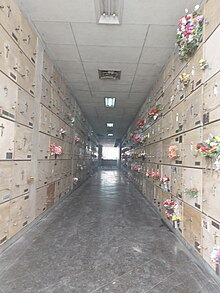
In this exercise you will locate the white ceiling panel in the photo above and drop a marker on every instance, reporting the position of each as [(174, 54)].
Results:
[(78, 86), (148, 69), (91, 101), (167, 36), (55, 32), (136, 96), (63, 52), (74, 77), (113, 54), (70, 67), (102, 87), (83, 95), (54, 10), (164, 12), (141, 87), (149, 79), (158, 56), (107, 35)]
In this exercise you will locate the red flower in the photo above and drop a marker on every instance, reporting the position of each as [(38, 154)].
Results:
[(204, 149), (199, 145)]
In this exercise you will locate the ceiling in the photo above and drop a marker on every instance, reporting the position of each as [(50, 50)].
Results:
[(139, 47)]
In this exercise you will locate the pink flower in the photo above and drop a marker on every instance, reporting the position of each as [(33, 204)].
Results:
[(52, 148), (58, 150), (200, 18), (77, 139)]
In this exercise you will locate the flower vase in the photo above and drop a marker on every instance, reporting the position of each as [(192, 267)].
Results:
[(216, 164)]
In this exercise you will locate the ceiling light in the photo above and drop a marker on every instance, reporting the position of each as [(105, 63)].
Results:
[(109, 102), (109, 11), (110, 124), (110, 134)]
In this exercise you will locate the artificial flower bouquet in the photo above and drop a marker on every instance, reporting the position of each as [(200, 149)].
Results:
[(141, 123), (203, 64), (136, 167), (77, 139), (193, 192), (62, 132), (137, 137), (165, 179), (148, 173), (141, 155), (189, 33), (154, 112), (184, 79), (173, 152), (155, 175), (75, 180), (215, 255), (169, 204), (210, 148), (55, 150)]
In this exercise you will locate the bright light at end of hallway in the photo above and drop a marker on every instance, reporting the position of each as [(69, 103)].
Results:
[(110, 153)]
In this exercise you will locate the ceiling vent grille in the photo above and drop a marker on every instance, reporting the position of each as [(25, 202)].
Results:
[(109, 74), (109, 11)]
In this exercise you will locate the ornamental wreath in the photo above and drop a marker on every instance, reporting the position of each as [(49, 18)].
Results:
[(189, 33)]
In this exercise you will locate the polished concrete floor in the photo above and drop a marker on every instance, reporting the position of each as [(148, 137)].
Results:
[(102, 238)]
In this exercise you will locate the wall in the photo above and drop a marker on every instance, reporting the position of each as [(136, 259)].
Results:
[(37, 113), (188, 115)]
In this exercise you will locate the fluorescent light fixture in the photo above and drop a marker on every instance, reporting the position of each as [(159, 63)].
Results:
[(110, 124), (109, 102), (110, 134), (109, 11)]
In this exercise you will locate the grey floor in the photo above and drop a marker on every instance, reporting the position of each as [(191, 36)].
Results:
[(102, 238)]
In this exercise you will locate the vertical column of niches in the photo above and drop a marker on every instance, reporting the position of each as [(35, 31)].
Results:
[(17, 89)]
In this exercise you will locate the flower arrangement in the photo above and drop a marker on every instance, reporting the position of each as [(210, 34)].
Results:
[(75, 180), (193, 192), (55, 150), (155, 176), (169, 204), (30, 179), (154, 112), (137, 137), (62, 132), (141, 122), (148, 174), (77, 139), (217, 165), (215, 255), (203, 64), (141, 155), (172, 212), (210, 148), (189, 33), (165, 179), (184, 79), (172, 152), (136, 167)]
